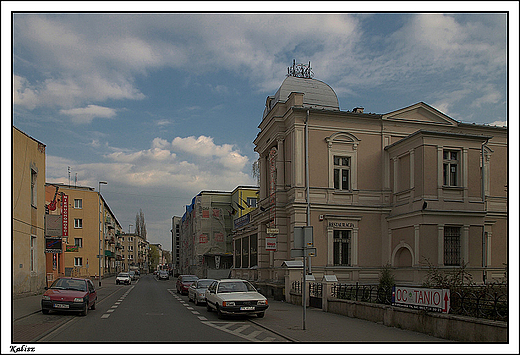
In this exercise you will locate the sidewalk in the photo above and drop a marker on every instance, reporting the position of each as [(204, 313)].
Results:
[(24, 306), (286, 320)]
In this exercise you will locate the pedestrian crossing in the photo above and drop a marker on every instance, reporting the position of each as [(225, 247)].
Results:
[(244, 330)]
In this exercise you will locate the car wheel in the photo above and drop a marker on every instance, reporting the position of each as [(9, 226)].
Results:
[(45, 311), (195, 301), (85, 311), (93, 305), (261, 315), (208, 307), (219, 313)]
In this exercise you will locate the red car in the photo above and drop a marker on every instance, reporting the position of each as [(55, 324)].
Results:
[(184, 282), (69, 294)]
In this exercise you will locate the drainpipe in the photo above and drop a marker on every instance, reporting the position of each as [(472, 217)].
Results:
[(307, 183), (484, 225)]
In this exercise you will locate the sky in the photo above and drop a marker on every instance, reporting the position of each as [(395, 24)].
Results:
[(163, 106)]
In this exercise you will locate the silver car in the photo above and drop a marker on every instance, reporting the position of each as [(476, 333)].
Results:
[(197, 291), (234, 296)]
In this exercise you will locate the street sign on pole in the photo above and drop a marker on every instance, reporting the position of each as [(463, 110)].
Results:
[(303, 235)]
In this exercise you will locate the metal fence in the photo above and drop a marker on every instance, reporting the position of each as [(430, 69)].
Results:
[(489, 302)]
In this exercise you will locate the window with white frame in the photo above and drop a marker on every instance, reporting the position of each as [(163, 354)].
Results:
[(78, 223), (78, 203), (452, 246), (451, 167), (34, 192), (252, 201), (33, 253), (342, 247), (78, 242), (130, 239), (341, 173), (130, 256), (78, 261), (130, 248)]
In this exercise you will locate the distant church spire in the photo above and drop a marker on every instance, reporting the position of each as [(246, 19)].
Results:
[(300, 70)]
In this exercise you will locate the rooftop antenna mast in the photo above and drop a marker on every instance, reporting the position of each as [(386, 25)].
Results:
[(300, 70)]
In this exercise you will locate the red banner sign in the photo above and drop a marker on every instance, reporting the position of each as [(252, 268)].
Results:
[(65, 214)]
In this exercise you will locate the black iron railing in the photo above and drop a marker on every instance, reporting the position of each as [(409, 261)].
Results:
[(489, 302)]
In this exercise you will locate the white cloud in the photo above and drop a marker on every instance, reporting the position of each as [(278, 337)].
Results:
[(87, 114)]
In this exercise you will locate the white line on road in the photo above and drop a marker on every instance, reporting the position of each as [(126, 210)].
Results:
[(105, 316)]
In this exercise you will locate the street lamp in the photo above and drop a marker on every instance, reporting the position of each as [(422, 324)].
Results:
[(99, 231)]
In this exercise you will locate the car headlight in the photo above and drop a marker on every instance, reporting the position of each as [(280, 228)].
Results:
[(77, 299), (264, 302), (46, 298), (228, 303)]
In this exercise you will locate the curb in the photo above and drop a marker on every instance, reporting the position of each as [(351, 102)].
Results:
[(274, 331)]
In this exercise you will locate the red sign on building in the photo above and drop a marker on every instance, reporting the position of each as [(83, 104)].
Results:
[(65, 214), (203, 238)]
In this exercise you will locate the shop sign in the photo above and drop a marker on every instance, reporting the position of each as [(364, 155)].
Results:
[(434, 300), (53, 245), (242, 221), (270, 243), (203, 238), (71, 248), (341, 225), (65, 215)]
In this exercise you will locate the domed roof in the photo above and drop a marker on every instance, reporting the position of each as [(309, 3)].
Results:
[(317, 94)]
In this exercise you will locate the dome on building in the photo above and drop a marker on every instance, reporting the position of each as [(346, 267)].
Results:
[(317, 94)]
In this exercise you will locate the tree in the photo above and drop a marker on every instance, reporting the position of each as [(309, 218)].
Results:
[(140, 224)]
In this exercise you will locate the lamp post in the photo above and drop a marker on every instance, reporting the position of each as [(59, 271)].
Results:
[(99, 230)]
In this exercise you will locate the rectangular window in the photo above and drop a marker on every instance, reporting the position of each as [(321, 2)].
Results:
[(452, 246), (251, 201), (130, 248), (245, 252), (78, 203), (33, 253), (451, 167), (342, 247), (78, 261), (34, 192), (122, 256), (238, 259), (130, 239), (130, 256), (78, 242), (78, 223), (341, 173), (254, 250)]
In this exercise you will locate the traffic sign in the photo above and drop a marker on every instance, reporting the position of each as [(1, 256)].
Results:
[(303, 235)]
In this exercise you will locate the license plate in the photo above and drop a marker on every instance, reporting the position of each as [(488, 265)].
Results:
[(59, 305), (247, 308)]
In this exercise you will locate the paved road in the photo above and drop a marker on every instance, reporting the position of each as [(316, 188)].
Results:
[(151, 311)]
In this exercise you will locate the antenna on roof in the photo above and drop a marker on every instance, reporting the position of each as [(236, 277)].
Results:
[(300, 70)]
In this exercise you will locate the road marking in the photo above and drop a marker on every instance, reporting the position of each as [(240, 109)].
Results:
[(195, 312), (110, 310), (202, 318), (114, 306), (105, 316)]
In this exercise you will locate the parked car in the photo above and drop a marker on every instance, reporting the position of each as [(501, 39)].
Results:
[(123, 278), (234, 296), (197, 291), (184, 282), (69, 294), (163, 275), (134, 275)]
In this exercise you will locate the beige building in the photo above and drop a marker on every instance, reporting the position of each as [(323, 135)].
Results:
[(404, 188), (133, 252), (92, 227), (28, 214)]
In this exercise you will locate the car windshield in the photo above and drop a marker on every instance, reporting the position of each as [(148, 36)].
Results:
[(235, 286), (204, 283), (123, 274), (69, 284), (189, 278)]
